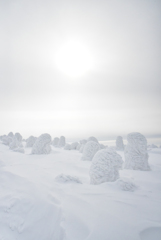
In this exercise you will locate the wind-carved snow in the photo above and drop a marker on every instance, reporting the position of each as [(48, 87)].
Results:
[(30, 141), (55, 141), (63, 178), (126, 185), (119, 143), (89, 150), (136, 156), (105, 166), (42, 144), (61, 142), (26, 212)]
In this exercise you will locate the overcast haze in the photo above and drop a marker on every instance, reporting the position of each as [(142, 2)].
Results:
[(120, 93)]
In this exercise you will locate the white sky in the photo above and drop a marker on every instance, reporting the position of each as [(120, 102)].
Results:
[(120, 94)]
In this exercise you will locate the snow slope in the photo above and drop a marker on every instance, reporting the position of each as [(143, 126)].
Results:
[(49, 197)]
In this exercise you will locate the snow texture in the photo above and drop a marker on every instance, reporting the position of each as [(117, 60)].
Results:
[(119, 143), (136, 156), (74, 145), (63, 178), (105, 166), (42, 144), (92, 139), (30, 141), (67, 146), (61, 142), (89, 150), (55, 141)]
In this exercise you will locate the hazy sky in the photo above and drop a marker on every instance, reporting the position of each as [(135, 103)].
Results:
[(117, 93)]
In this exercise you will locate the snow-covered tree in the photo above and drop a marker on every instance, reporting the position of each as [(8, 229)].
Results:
[(136, 156), (92, 139), (15, 143), (11, 134), (55, 141), (89, 150), (67, 146), (18, 136), (6, 140), (61, 142), (105, 166), (42, 144), (74, 145), (30, 141), (119, 143)]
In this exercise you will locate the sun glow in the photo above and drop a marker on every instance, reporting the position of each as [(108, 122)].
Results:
[(74, 59)]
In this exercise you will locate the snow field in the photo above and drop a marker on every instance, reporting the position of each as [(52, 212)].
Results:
[(50, 197)]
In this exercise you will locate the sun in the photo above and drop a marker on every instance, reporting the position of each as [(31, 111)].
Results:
[(74, 59)]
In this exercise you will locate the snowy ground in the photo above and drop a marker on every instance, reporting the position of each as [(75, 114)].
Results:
[(38, 203)]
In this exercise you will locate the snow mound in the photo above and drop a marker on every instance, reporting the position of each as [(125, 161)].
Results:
[(55, 141), (119, 143), (92, 139), (63, 178), (126, 185), (136, 156), (42, 144), (61, 142), (105, 166), (30, 141), (89, 150)]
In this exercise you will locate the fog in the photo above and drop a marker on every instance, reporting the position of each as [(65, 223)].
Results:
[(119, 94)]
